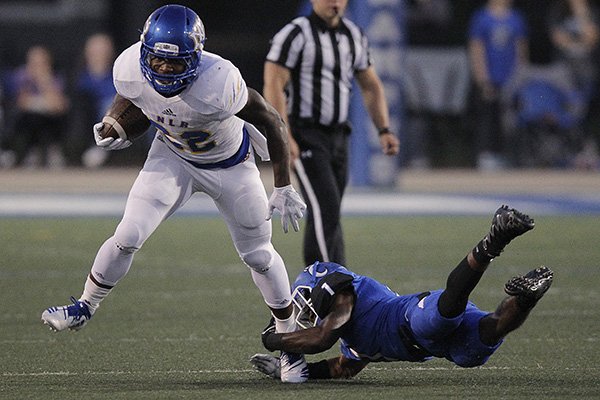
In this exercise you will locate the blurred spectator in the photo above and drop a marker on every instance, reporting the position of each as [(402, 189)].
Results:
[(498, 47), (575, 33), (39, 111), (94, 92), (436, 84), (544, 110)]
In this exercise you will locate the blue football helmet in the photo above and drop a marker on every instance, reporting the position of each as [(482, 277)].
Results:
[(172, 32), (314, 289), (306, 315)]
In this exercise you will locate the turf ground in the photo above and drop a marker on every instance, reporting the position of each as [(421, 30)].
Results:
[(187, 317)]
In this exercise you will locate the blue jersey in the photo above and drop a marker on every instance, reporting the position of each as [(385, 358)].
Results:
[(386, 326), (499, 36)]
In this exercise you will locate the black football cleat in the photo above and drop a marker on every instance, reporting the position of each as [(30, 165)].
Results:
[(507, 224), (529, 288)]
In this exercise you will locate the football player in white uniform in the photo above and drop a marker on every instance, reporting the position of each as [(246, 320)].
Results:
[(203, 113)]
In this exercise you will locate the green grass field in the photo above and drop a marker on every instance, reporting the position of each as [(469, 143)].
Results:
[(187, 317)]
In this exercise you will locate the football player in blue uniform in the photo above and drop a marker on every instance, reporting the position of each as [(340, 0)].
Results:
[(373, 323)]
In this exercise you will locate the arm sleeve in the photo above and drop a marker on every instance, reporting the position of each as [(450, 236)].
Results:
[(286, 46), (364, 59)]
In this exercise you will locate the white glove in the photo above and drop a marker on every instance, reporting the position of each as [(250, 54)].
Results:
[(109, 143), (267, 364), (289, 204)]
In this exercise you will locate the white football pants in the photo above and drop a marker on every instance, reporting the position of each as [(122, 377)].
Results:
[(164, 185)]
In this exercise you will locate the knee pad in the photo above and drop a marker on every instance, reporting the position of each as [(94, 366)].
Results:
[(126, 249), (250, 212), (128, 237), (260, 259)]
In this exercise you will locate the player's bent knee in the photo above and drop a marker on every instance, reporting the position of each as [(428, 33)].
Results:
[(126, 249), (128, 237), (260, 260)]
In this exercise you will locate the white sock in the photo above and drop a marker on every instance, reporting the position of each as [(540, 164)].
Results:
[(285, 325), (111, 263), (93, 294)]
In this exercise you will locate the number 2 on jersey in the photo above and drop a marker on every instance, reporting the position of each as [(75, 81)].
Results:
[(195, 141)]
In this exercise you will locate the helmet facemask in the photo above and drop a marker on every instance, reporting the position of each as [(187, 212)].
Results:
[(306, 315), (169, 84)]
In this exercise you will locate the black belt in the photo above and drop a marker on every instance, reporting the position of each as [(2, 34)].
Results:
[(408, 340), (310, 123), (415, 350)]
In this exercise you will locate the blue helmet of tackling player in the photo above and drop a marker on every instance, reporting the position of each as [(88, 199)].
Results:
[(314, 289), (306, 315), (176, 33)]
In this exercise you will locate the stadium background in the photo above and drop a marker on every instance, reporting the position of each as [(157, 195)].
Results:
[(186, 319), (240, 31)]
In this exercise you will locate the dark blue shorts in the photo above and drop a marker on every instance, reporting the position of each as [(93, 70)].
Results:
[(456, 339)]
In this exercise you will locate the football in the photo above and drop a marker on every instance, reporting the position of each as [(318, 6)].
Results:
[(124, 120)]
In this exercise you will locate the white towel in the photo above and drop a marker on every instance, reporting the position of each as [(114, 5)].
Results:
[(258, 140)]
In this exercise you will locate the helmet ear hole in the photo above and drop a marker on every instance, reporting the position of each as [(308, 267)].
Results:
[(173, 32)]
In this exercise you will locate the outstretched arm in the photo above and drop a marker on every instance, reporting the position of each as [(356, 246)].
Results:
[(314, 340), (261, 114), (333, 368), (284, 198), (319, 338), (339, 368)]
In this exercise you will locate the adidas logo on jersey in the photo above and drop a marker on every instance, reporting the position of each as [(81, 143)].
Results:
[(169, 112)]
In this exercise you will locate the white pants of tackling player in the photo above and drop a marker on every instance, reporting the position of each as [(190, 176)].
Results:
[(164, 185)]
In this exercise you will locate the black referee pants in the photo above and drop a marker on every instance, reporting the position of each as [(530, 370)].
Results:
[(323, 178)]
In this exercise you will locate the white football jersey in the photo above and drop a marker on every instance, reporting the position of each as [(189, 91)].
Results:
[(199, 124)]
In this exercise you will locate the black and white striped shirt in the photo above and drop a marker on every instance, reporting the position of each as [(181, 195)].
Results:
[(322, 62)]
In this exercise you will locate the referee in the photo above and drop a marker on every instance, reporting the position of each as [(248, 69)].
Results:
[(308, 78)]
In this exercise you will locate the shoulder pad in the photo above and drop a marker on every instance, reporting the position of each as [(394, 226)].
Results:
[(325, 290), (219, 84), (127, 74)]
